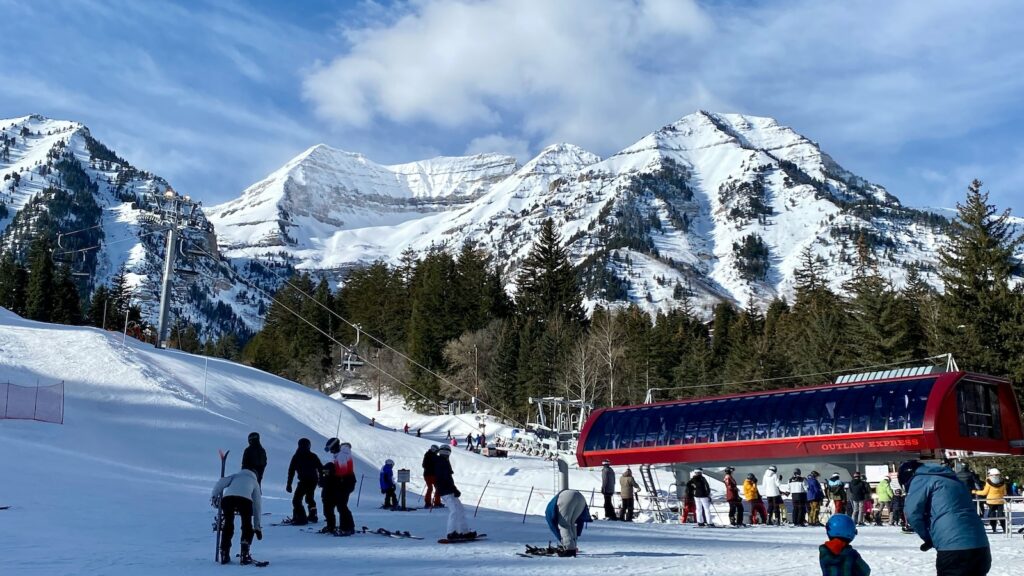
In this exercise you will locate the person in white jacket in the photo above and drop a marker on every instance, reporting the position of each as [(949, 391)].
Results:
[(239, 494), (771, 490)]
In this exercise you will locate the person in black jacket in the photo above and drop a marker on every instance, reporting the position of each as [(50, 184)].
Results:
[(860, 492), (458, 529), (702, 496), (432, 498), (307, 466), (255, 457)]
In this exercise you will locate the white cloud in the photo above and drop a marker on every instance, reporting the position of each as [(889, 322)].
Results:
[(501, 144)]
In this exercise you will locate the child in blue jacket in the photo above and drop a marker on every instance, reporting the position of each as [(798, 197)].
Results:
[(387, 484)]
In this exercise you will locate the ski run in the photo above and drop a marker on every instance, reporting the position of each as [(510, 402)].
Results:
[(123, 486)]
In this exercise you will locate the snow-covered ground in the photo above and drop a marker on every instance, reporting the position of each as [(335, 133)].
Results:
[(122, 487)]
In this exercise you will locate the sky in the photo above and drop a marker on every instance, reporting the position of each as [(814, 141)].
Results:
[(920, 97)]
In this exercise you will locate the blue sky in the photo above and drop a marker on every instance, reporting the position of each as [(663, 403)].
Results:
[(920, 97)]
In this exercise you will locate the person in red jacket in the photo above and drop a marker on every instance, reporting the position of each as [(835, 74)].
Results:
[(732, 496)]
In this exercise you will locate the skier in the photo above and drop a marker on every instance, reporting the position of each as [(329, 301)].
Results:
[(836, 557), (689, 503), (939, 509), (732, 496), (566, 515), (970, 478), (307, 466), (469, 441), (387, 484), (702, 497), (994, 493), (860, 492), (752, 496), (885, 494), (627, 484), (815, 496), (608, 489), (798, 492), (458, 529), (239, 494), (429, 477), (406, 428), (255, 457), (836, 492), (897, 518), (337, 483), (771, 489)]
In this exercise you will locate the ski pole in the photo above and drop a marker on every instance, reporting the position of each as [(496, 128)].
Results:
[(478, 500), (360, 492), (527, 504), (592, 497)]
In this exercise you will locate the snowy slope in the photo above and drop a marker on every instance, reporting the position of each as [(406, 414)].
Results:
[(122, 487), (665, 216)]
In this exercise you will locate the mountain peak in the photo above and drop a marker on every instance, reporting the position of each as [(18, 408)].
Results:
[(559, 158)]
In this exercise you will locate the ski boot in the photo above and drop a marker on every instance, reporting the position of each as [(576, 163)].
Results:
[(327, 530), (565, 552), (225, 556), (312, 515), (245, 558)]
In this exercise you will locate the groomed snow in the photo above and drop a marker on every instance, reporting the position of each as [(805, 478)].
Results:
[(123, 486)]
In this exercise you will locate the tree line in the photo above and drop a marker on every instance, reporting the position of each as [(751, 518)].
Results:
[(468, 337)]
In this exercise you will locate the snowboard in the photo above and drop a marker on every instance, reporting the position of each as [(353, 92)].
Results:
[(461, 541)]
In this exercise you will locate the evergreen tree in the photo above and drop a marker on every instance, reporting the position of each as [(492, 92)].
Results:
[(505, 384), (432, 323), (13, 284), (67, 306), (40, 290), (878, 331), (98, 305), (976, 266), (546, 284)]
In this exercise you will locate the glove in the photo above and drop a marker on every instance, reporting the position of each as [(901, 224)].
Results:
[(259, 533), (215, 501), (926, 546), (457, 493), (288, 488)]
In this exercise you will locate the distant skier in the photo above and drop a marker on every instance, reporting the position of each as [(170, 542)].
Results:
[(307, 466), (627, 486), (458, 529), (798, 493), (836, 557), (566, 514), (885, 494), (387, 484), (337, 483), (897, 518), (469, 441), (753, 497), (815, 496), (940, 510), (406, 428), (732, 496), (255, 457), (835, 490), (608, 489), (773, 492), (238, 494), (702, 497), (430, 477), (994, 493), (689, 503), (860, 492)]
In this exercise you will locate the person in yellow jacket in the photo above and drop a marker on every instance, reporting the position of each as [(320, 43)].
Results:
[(753, 497), (994, 493)]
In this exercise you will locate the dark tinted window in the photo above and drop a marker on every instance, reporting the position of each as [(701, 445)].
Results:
[(977, 406)]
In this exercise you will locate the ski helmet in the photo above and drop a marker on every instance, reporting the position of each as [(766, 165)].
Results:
[(773, 468), (444, 451), (254, 437), (841, 526), (906, 473), (606, 463), (304, 443), (699, 471), (389, 462), (993, 472), (751, 477), (796, 472), (729, 469), (333, 446), (345, 445), (435, 448), (834, 476)]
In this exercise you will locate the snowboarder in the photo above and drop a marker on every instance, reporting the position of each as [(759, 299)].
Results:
[(860, 492), (940, 510), (773, 491), (627, 484), (815, 496), (307, 466), (994, 493), (885, 494), (835, 490), (836, 557), (566, 514), (702, 497), (429, 477), (732, 496), (337, 483), (238, 494), (387, 484), (458, 529), (608, 489), (798, 493), (753, 497), (255, 457)]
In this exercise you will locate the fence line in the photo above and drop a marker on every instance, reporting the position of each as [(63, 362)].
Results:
[(39, 403)]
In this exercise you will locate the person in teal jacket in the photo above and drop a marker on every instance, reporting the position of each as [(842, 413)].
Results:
[(566, 515), (940, 509), (837, 557)]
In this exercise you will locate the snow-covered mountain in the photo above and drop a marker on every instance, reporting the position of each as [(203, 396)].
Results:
[(714, 206), (59, 181)]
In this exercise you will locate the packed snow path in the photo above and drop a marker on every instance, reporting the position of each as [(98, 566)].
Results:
[(123, 486)]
